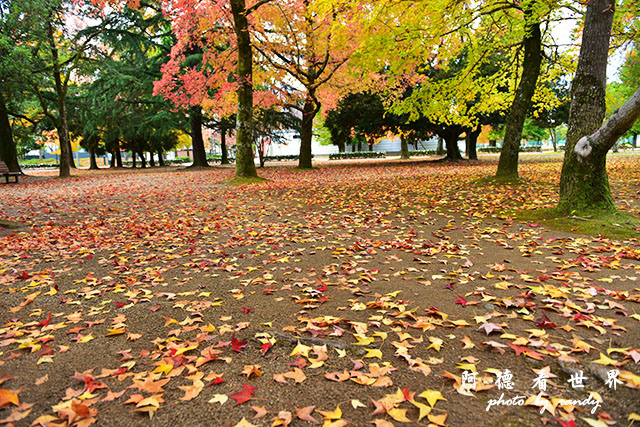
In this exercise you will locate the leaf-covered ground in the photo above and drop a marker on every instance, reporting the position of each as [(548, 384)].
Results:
[(357, 293)]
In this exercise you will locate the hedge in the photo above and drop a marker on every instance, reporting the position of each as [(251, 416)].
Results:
[(422, 152), (358, 155), (529, 149)]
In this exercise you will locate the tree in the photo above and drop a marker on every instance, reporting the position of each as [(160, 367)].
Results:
[(508, 162), (311, 46), (584, 184), (56, 51)]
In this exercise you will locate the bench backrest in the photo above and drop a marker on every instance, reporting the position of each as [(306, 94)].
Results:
[(3, 167)]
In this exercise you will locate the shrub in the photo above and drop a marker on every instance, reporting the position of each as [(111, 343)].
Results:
[(422, 152)]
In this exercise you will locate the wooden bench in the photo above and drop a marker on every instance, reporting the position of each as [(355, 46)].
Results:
[(4, 171)]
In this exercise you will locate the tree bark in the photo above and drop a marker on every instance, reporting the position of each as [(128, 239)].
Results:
[(451, 142), (8, 151), (143, 160), (634, 140), (584, 184), (471, 142), (309, 112), (508, 163), (199, 153), (93, 165), (245, 164), (440, 149), (152, 162), (404, 148), (224, 160), (160, 159), (134, 161), (118, 154), (341, 147)]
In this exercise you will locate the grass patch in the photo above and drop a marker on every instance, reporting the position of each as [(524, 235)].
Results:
[(4, 223), (618, 225), (240, 180)]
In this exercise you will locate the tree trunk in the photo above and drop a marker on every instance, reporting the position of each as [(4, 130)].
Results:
[(309, 112), (134, 161), (118, 154), (404, 148), (8, 152), (492, 143), (584, 185), (152, 162), (451, 142), (160, 159), (359, 145), (199, 153), (224, 160), (440, 149), (554, 138), (261, 152), (634, 141), (245, 165), (93, 165), (508, 163), (370, 146), (112, 163), (341, 147), (471, 142), (143, 160)]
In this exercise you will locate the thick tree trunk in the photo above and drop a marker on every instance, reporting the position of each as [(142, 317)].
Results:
[(199, 153), (451, 142), (309, 112), (224, 160), (553, 134), (93, 165), (160, 159), (152, 161), (471, 142), (359, 145), (584, 184), (404, 148), (8, 151), (134, 161), (112, 162), (245, 165), (341, 147), (508, 163), (440, 149)]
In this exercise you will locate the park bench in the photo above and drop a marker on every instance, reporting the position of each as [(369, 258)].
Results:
[(4, 171)]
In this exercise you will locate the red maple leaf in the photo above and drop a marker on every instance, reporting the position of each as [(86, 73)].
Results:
[(461, 300), (45, 322), (216, 380), (243, 395), (237, 345), (544, 322), (265, 347), (246, 310)]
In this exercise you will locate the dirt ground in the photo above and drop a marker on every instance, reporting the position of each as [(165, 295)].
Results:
[(357, 293)]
